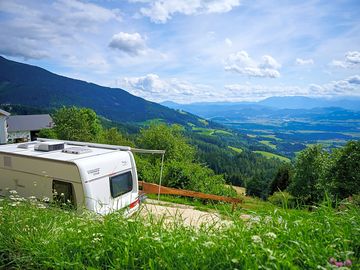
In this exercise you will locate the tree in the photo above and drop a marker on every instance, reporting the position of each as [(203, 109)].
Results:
[(309, 176), (168, 138), (282, 179), (78, 124), (114, 137), (345, 171)]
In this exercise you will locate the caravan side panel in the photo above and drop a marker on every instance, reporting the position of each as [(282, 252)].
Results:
[(32, 176)]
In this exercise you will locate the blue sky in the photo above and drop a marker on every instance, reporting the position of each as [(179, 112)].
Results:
[(192, 50)]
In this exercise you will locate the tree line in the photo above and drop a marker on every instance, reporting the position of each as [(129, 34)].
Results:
[(181, 167), (317, 174)]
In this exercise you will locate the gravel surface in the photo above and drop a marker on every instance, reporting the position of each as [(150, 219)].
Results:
[(172, 212)]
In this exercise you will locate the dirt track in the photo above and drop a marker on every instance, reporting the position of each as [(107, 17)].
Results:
[(172, 212)]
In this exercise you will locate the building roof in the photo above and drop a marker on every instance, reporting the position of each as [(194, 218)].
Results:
[(29, 122), (2, 112)]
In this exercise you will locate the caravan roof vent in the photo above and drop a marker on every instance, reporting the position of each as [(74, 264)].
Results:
[(26, 145), (49, 146), (77, 150)]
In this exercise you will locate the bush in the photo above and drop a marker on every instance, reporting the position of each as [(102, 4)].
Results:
[(283, 199)]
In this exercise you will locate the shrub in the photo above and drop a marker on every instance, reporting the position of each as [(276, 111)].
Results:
[(283, 199)]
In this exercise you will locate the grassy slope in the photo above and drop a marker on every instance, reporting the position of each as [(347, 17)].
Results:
[(271, 155), (36, 238)]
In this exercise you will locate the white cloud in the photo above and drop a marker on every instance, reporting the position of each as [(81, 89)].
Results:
[(354, 79), (132, 44), (160, 11), (152, 87), (352, 60), (228, 42), (243, 64), (39, 29), (252, 92), (347, 87), (304, 62)]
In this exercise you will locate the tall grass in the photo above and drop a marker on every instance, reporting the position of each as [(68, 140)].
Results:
[(33, 237)]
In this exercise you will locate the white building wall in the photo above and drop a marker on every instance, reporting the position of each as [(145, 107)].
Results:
[(3, 129), (23, 135)]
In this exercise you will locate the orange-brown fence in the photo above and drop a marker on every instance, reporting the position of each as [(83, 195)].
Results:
[(151, 188)]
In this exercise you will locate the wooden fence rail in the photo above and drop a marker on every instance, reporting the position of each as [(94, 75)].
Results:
[(151, 188)]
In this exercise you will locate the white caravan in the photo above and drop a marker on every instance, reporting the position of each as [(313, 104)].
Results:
[(103, 178)]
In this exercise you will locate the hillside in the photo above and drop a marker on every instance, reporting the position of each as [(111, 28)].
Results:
[(36, 87), (286, 124)]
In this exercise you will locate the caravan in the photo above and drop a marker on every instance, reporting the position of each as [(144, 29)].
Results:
[(103, 178)]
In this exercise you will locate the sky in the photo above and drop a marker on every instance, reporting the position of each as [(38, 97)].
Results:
[(192, 50)]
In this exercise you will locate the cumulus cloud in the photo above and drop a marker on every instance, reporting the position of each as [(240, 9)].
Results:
[(132, 44), (349, 86), (160, 11), (352, 60), (33, 29), (243, 64), (304, 62), (154, 88), (354, 79)]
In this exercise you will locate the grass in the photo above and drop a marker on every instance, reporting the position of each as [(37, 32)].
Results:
[(223, 132), (271, 155), (210, 132), (51, 238), (203, 121), (271, 136), (237, 150), (268, 143)]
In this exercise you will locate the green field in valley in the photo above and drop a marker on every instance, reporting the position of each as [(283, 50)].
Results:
[(271, 155), (237, 150)]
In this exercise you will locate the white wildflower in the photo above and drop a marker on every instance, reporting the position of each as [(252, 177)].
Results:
[(209, 244), (271, 235), (41, 206), (62, 194), (96, 239), (14, 204), (256, 239), (267, 219), (13, 191), (46, 199), (255, 219)]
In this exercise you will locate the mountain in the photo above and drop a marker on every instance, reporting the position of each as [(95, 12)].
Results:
[(299, 102), (33, 86), (286, 102)]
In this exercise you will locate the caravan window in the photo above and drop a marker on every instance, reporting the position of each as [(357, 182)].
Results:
[(121, 184), (63, 192)]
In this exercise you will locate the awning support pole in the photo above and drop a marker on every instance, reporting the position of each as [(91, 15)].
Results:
[(161, 173)]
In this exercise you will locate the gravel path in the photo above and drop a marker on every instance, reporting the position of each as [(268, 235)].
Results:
[(173, 212)]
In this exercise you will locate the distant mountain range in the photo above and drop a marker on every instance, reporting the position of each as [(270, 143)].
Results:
[(32, 86), (278, 107), (285, 102)]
